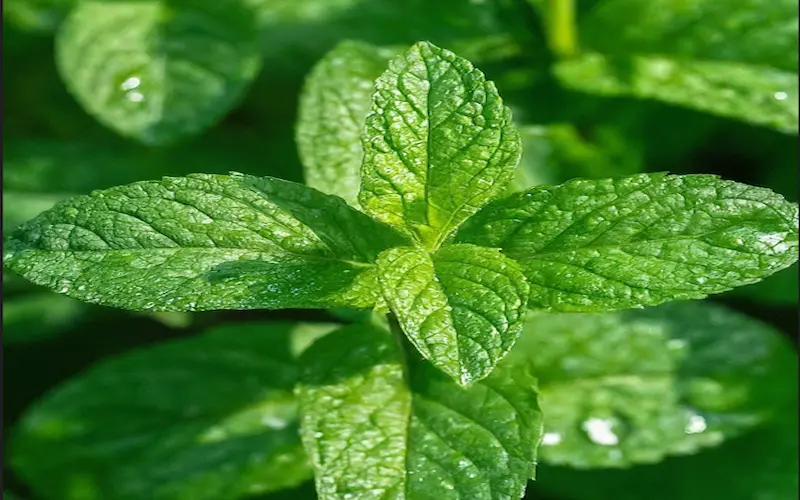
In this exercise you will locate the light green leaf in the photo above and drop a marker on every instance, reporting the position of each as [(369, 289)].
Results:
[(39, 316), (438, 144), (632, 387), (372, 435), (204, 242), (732, 58), (760, 95), (333, 105), (208, 418), (640, 240), (463, 308), (158, 70)]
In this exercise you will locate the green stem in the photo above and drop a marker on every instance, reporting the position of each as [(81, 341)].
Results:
[(561, 32)]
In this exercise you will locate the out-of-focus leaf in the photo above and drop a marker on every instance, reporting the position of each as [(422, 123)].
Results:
[(210, 417), (305, 334), (7, 495), (732, 58), (42, 16), (758, 32), (334, 103), (625, 388), (757, 94), (770, 454), (39, 316), (159, 70), (296, 33), (552, 154)]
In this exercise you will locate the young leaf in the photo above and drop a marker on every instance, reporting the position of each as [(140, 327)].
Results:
[(372, 435), (204, 242), (438, 145), (334, 102), (463, 308), (640, 240), (632, 387), (158, 70), (211, 417)]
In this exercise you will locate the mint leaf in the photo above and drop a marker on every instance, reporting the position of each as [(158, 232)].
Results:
[(640, 240), (435, 123), (732, 58), (632, 387), (771, 453), (158, 70), (209, 417), (760, 95), (372, 435), (334, 102), (462, 308), (204, 242)]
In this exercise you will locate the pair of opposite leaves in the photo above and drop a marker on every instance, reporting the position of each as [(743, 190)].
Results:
[(455, 269)]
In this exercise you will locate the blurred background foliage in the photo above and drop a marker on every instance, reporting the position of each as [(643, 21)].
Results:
[(689, 402)]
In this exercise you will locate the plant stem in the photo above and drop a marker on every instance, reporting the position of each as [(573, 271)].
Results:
[(561, 32)]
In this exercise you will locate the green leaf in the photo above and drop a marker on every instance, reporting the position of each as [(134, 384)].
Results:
[(334, 102), (463, 308), (204, 242), (372, 435), (438, 144), (208, 418), (781, 288), (761, 95), (39, 316), (40, 16), (640, 240), (732, 58), (632, 387), (158, 70)]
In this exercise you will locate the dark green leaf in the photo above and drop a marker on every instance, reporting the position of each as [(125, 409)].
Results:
[(204, 242), (371, 435), (39, 316), (462, 309), (211, 417), (557, 153), (640, 240), (438, 144), (158, 70), (631, 387), (333, 105)]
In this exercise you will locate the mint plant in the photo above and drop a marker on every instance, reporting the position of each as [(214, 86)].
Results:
[(425, 403)]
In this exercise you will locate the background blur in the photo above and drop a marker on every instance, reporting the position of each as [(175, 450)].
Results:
[(620, 86)]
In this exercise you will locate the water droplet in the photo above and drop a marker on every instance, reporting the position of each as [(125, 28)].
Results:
[(551, 439), (780, 96), (131, 83), (318, 434), (135, 96), (696, 424), (600, 431), (63, 286)]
